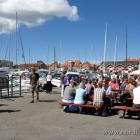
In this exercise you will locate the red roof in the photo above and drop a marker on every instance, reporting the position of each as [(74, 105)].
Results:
[(133, 60)]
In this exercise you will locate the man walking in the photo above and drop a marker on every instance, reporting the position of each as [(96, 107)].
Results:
[(34, 83)]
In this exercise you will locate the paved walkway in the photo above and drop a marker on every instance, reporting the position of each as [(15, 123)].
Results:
[(45, 120)]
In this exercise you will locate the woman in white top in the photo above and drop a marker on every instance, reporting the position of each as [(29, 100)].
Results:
[(48, 86)]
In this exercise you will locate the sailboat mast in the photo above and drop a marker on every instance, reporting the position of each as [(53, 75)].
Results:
[(91, 53), (115, 52), (54, 58), (105, 47), (60, 52), (126, 43), (48, 56), (29, 58), (9, 49), (16, 40)]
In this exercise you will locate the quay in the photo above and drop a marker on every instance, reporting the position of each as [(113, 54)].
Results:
[(45, 120)]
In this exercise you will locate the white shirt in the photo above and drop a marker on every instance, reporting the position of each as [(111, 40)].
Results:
[(136, 94), (49, 78)]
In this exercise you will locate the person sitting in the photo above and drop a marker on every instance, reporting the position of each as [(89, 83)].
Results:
[(136, 97), (95, 84), (89, 90), (128, 92), (80, 96), (69, 95), (108, 92), (123, 85), (113, 84), (98, 100)]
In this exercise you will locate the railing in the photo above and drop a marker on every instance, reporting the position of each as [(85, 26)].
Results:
[(4, 86)]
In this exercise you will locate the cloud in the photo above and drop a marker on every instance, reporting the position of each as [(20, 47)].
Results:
[(33, 12)]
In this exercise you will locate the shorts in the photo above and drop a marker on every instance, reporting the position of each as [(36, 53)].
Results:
[(33, 88)]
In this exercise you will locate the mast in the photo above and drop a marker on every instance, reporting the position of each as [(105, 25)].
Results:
[(115, 54), (91, 53), (16, 40), (60, 52), (100, 54), (29, 58), (126, 43), (9, 49), (23, 56), (0, 49), (105, 47), (54, 58)]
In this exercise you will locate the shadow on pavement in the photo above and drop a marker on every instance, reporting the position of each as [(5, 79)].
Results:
[(3, 104), (47, 100), (54, 92), (89, 111), (6, 97), (14, 97), (9, 111)]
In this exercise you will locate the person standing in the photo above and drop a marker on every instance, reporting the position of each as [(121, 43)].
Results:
[(49, 84), (34, 83), (62, 82)]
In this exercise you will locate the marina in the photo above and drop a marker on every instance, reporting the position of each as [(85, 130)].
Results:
[(69, 70)]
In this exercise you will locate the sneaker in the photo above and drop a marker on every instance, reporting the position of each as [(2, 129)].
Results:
[(104, 114), (32, 101), (65, 109), (110, 111), (97, 113)]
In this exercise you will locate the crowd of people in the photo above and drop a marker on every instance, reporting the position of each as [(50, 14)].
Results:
[(100, 93)]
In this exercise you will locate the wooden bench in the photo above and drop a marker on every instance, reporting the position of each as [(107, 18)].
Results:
[(125, 108), (81, 105)]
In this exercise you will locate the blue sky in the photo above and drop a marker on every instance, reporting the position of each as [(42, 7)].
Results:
[(81, 30)]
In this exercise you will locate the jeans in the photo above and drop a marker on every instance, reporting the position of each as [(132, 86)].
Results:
[(62, 90), (69, 102)]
